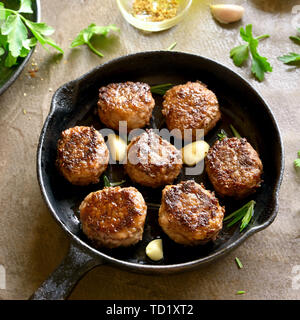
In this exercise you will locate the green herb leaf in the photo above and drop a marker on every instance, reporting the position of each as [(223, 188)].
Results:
[(241, 292), (297, 163), (246, 34), (40, 32), (290, 58), (161, 89), (16, 33), (260, 64), (240, 54), (172, 46), (86, 35), (222, 135), (106, 182), (29, 43), (25, 6), (3, 41), (295, 39), (10, 60), (235, 132), (2, 13), (118, 183), (239, 263), (247, 218), (103, 30), (42, 28), (24, 52), (245, 213), (2, 51)]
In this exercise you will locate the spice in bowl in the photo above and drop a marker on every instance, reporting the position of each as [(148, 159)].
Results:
[(155, 10)]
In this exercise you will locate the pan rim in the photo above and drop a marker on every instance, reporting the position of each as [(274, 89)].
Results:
[(147, 268)]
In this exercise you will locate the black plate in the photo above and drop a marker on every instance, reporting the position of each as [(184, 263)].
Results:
[(9, 75), (75, 104)]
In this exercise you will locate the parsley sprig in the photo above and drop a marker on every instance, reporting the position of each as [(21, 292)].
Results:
[(292, 58), (15, 40), (245, 213), (297, 161), (85, 36), (296, 39), (240, 54)]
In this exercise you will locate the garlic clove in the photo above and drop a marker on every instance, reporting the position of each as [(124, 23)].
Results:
[(227, 13), (117, 147), (194, 152), (154, 250)]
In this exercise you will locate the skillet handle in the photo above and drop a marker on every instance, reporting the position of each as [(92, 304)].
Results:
[(61, 282)]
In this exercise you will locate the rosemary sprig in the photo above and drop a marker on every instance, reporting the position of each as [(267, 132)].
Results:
[(234, 131), (241, 292), (161, 89), (172, 46), (239, 263), (245, 213), (108, 184), (222, 135)]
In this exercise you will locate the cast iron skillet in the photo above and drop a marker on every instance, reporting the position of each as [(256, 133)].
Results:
[(75, 104), (9, 75)]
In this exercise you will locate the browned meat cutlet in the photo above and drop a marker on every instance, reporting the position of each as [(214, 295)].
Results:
[(191, 106), (152, 161), (126, 101), (113, 217), (82, 155), (234, 167), (189, 214)]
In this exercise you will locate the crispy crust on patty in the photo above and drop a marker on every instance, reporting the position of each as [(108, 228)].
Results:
[(114, 216), (126, 101), (152, 161), (234, 167), (82, 155), (189, 214), (191, 106)]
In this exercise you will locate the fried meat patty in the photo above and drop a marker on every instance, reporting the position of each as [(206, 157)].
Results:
[(234, 167), (82, 155), (152, 161), (189, 214), (113, 217), (127, 101), (190, 106)]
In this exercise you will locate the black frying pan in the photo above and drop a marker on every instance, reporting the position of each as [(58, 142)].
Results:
[(75, 104)]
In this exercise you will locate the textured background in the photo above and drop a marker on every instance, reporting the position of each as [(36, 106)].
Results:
[(32, 244)]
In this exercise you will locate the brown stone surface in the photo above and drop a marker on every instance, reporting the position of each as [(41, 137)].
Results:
[(32, 244)]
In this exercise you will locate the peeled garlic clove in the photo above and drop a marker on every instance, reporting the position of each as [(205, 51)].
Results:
[(117, 147), (154, 250), (227, 13), (194, 152)]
